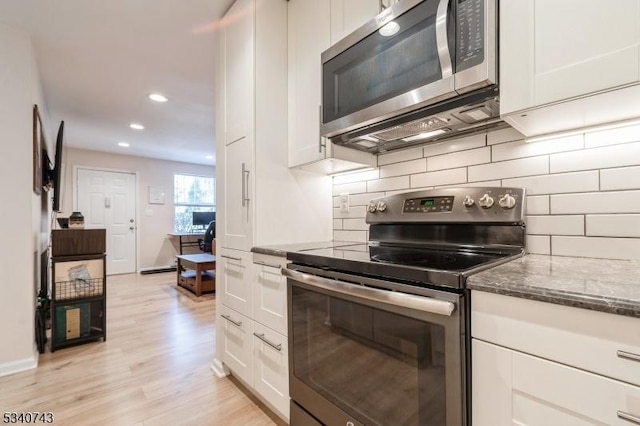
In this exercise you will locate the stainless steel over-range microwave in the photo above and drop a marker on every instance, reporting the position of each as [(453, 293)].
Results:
[(420, 70)]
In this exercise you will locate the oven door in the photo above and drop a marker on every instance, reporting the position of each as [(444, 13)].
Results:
[(368, 355)]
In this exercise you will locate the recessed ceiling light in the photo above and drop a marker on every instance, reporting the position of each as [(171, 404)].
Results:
[(158, 97), (136, 126), (209, 157), (123, 144)]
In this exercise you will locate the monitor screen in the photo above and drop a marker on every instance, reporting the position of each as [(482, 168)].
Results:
[(202, 219)]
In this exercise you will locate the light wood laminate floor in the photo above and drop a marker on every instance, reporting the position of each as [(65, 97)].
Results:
[(154, 368)]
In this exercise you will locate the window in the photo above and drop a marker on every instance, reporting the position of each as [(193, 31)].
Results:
[(192, 194)]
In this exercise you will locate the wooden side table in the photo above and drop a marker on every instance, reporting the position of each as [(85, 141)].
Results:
[(199, 263)]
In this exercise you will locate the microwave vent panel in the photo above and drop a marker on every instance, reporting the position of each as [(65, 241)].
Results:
[(412, 128)]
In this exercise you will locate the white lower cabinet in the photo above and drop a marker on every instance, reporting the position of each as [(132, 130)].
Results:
[(237, 332), (520, 371), (271, 367), (254, 340)]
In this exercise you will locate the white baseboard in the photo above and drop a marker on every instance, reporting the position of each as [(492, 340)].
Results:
[(219, 368), (13, 367)]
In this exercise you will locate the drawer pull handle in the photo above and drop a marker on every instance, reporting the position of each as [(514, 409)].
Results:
[(277, 347), (629, 355), (231, 258), (257, 262), (629, 417), (228, 318)]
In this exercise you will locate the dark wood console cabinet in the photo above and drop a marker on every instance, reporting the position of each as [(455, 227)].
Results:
[(79, 287)]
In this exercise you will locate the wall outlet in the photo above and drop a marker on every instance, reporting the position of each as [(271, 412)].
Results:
[(344, 203)]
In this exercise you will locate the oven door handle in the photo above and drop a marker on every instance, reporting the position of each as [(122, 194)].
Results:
[(402, 300)]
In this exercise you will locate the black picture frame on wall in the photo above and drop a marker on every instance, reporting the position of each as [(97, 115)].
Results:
[(38, 147)]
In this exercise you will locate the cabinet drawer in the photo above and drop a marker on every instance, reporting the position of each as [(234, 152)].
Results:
[(236, 280), (271, 367), (603, 343), (511, 388), (270, 292), (236, 332)]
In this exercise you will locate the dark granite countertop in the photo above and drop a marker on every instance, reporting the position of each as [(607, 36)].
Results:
[(283, 249), (605, 285)]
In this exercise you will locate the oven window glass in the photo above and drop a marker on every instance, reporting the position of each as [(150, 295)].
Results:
[(382, 67), (379, 367)]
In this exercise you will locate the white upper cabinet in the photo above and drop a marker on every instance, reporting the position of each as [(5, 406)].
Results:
[(310, 25), (563, 53), (348, 15)]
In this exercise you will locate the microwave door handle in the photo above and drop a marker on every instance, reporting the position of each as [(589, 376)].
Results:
[(442, 40), (402, 300)]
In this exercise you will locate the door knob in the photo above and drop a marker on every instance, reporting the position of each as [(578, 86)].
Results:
[(131, 228)]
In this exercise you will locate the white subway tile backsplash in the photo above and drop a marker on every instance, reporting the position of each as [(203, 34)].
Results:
[(613, 225), (622, 178), (407, 168), (538, 244), (354, 212), (472, 184), (583, 192), (444, 177), (469, 142), (555, 225), (596, 202), (505, 135), (388, 184), (355, 225), (355, 236), (356, 177), (459, 159), (607, 248), (557, 184), (350, 188), (537, 205), (363, 199), (597, 158), (613, 136), (399, 156), (521, 149), (510, 169)]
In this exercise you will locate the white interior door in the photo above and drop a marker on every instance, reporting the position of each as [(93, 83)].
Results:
[(108, 200)]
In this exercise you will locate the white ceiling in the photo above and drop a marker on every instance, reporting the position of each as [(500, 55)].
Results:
[(99, 60)]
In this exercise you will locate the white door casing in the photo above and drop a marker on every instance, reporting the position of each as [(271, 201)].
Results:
[(107, 199)]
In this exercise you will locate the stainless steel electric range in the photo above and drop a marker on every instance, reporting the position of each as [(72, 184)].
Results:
[(379, 333)]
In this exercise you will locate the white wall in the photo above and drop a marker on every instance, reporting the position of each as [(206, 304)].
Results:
[(155, 221), (584, 190), (20, 228)]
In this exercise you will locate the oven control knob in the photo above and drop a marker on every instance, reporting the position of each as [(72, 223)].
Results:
[(382, 206), (485, 201), (372, 208), (507, 201), (468, 201)]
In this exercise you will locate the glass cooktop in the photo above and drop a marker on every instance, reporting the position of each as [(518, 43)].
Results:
[(435, 266)]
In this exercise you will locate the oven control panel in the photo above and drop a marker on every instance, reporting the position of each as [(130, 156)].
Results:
[(464, 204), (428, 205)]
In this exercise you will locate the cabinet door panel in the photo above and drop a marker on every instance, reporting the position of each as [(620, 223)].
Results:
[(271, 367), (309, 27), (491, 384), (270, 295), (349, 15), (577, 51), (237, 335), (238, 195), (548, 393), (236, 280)]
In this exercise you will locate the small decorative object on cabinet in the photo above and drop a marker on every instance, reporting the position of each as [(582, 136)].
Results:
[(76, 220), (79, 287)]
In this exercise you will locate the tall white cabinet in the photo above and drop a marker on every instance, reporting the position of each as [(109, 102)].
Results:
[(568, 64), (261, 201), (312, 27)]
